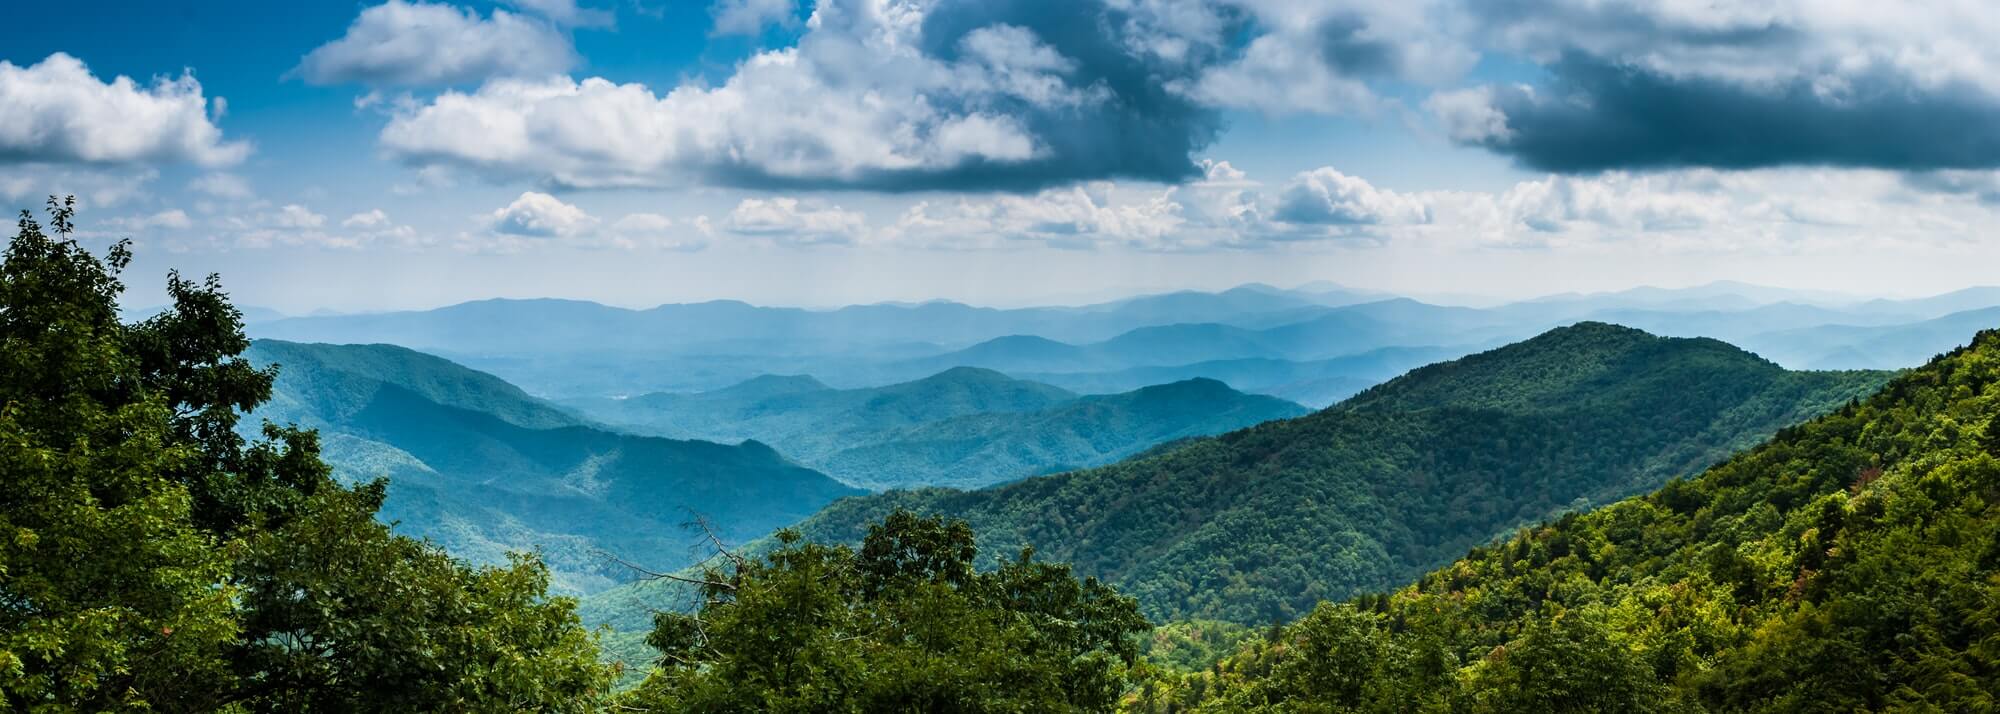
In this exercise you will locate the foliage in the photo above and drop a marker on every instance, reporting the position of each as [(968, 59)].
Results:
[(1849, 564), (1257, 525), (152, 559), (906, 623)]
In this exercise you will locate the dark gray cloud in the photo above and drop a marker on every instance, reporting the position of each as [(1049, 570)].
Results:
[(1138, 130), (1596, 115), (1006, 95), (1347, 49)]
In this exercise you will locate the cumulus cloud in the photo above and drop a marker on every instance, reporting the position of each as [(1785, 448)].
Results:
[(293, 215), (57, 112), (750, 17), (794, 222), (1325, 196), (402, 43), (1324, 57), (884, 96), (373, 218), (261, 226), (1651, 85), (539, 215)]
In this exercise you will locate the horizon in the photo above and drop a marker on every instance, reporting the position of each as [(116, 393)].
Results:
[(835, 152), (1797, 297)]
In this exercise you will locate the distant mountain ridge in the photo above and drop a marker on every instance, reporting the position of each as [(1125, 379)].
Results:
[(481, 468), (964, 426), (1261, 523), (567, 348)]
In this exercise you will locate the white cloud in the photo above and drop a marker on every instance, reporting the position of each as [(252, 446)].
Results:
[(652, 230), (539, 215), (859, 101), (95, 187), (1325, 196), (296, 225), (293, 215), (427, 44), (1325, 57), (172, 219), (791, 221), (222, 185), (1469, 115), (57, 112), (566, 12), (1080, 217), (750, 17), (373, 218)]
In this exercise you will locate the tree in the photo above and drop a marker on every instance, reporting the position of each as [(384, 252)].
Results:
[(152, 559), (905, 624), (108, 589)]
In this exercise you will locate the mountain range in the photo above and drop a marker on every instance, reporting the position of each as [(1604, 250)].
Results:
[(964, 426), (1848, 564), (1255, 338), (481, 468), (1258, 524)]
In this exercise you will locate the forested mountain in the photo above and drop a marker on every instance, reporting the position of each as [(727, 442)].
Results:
[(1261, 523), (961, 427), (482, 469), (1849, 564), (1316, 383), (980, 449)]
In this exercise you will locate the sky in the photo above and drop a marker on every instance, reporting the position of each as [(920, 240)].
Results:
[(366, 156)]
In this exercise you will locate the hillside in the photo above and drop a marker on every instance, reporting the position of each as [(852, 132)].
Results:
[(481, 468), (1848, 564), (979, 449), (1316, 383), (964, 426), (1260, 523)]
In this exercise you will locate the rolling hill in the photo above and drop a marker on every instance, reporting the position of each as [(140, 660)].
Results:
[(482, 468), (1261, 523), (1848, 564), (964, 426)]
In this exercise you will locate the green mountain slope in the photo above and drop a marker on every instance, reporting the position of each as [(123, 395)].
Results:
[(978, 449), (1261, 523), (482, 469), (1852, 563), (961, 427)]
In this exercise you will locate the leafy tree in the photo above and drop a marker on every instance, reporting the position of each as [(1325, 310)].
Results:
[(904, 624), (1851, 563), (151, 559), (108, 588)]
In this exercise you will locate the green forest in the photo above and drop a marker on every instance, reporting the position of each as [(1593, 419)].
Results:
[(1681, 526), (1258, 525)]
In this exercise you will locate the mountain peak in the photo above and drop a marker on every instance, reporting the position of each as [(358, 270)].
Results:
[(1558, 369)]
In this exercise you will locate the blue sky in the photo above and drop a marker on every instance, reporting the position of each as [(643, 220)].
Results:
[(371, 155)]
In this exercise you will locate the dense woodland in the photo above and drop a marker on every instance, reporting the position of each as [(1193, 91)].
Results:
[(159, 552), (1850, 564), (1258, 525), (153, 559)]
